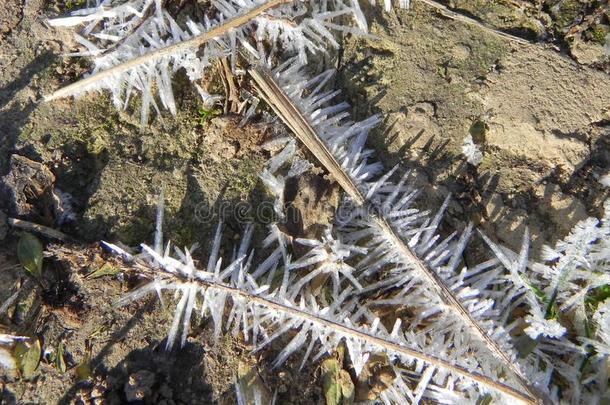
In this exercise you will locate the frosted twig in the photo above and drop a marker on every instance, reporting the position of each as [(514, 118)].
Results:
[(290, 113), (282, 308), (192, 43)]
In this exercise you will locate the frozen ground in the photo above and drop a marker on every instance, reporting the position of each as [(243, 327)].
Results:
[(539, 111)]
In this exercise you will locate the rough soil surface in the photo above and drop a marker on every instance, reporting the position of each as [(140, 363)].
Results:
[(544, 121), (540, 113)]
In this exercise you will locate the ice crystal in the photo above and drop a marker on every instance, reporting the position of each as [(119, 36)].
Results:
[(494, 330), (471, 151), (137, 46)]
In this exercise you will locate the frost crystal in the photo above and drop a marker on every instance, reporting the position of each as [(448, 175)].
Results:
[(464, 336), (137, 46), (549, 328), (471, 151)]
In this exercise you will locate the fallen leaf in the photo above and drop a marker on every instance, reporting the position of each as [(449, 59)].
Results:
[(60, 362), (29, 252), (337, 383), (347, 387), (105, 270), (28, 357)]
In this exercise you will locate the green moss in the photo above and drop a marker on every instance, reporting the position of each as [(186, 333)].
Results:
[(485, 52), (63, 6), (599, 33), (140, 162), (246, 175), (114, 168), (565, 12)]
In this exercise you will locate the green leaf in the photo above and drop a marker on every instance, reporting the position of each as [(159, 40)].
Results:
[(60, 362), (477, 130), (552, 310), (29, 252), (539, 293), (28, 357), (337, 383), (330, 376), (597, 295), (105, 270), (83, 370), (205, 114), (348, 390)]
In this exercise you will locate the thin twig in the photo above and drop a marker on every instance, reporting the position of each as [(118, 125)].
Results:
[(9, 301), (41, 229), (454, 15), (192, 43), (292, 116)]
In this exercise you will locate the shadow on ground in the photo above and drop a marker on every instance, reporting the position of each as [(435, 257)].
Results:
[(13, 115)]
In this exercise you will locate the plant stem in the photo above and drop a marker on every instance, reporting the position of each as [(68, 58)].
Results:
[(298, 123), (192, 43), (381, 343)]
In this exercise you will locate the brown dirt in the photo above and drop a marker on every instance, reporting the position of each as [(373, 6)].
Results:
[(432, 79)]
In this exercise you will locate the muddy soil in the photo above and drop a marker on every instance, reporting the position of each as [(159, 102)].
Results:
[(539, 112)]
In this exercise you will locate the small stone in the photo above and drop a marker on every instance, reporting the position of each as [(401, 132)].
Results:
[(139, 385)]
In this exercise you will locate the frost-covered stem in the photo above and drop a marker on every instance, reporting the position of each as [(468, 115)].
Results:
[(146, 16), (192, 43), (343, 329), (374, 340), (292, 116), (449, 298)]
